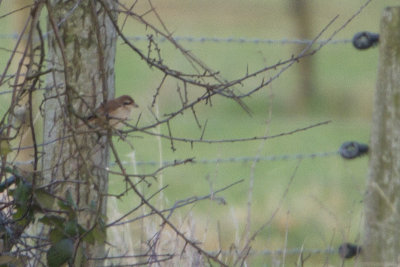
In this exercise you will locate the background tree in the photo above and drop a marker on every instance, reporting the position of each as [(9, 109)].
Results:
[(302, 18)]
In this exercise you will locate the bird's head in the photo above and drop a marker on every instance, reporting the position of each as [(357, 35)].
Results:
[(126, 100)]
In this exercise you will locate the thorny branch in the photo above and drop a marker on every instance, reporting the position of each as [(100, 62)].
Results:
[(205, 82)]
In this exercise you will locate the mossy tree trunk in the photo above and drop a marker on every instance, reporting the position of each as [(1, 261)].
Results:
[(31, 63), (81, 55), (382, 203)]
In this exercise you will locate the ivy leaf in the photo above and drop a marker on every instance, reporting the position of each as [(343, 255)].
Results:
[(68, 205), (70, 200), (52, 220), (64, 205), (57, 234), (44, 199), (71, 228), (87, 236), (23, 210), (79, 257), (99, 234), (22, 193), (60, 253), (5, 147)]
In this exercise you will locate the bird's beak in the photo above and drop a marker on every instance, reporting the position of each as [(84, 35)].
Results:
[(135, 105)]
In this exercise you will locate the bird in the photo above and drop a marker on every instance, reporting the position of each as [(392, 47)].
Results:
[(113, 113)]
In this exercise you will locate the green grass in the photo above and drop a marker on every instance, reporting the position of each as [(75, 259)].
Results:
[(324, 205), (324, 200)]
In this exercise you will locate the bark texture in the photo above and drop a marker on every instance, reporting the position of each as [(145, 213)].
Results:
[(382, 202), (81, 46)]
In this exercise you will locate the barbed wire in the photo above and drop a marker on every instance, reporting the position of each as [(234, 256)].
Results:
[(291, 251), (348, 150), (192, 39), (218, 160), (275, 252), (204, 39), (236, 159)]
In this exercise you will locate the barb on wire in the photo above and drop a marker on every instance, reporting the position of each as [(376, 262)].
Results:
[(351, 150), (348, 250), (365, 40)]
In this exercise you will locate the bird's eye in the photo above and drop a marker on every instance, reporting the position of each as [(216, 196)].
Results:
[(127, 103)]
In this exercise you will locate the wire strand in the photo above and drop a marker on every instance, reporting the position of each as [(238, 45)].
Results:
[(205, 39)]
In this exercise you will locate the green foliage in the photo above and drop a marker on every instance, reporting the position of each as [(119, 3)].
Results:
[(62, 236), (52, 220), (5, 147), (44, 199), (72, 228), (22, 193), (22, 198), (68, 227), (60, 252), (98, 233), (64, 230)]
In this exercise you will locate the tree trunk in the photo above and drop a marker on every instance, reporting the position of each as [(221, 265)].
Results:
[(82, 53), (382, 201), (25, 138), (302, 17)]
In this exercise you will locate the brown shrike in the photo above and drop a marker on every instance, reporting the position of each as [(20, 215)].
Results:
[(113, 113)]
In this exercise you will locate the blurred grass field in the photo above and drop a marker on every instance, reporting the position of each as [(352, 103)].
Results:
[(324, 204)]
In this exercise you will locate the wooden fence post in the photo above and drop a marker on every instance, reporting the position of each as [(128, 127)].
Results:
[(381, 244)]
